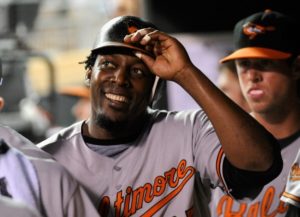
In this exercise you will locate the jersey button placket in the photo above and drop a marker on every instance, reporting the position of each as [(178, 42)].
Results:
[(117, 169)]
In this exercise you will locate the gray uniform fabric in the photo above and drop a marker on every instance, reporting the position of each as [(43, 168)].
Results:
[(267, 202), (13, 208), (60, 194), (165, 172)]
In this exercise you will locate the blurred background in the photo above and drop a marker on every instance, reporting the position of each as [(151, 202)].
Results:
[(43, 41)]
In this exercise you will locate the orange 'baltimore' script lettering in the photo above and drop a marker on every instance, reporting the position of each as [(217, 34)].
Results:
[(129, 202), (260, 208)]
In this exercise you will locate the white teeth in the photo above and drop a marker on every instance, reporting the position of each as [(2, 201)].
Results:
[(116, 97)]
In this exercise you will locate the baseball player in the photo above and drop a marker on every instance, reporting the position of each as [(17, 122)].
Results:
[(32, 180), (135, 160), (267, 44)]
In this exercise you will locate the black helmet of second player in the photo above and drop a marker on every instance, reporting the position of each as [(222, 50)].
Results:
[(268, 35)]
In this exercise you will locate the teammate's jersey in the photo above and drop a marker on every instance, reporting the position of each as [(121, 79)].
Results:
[(165, 172), (267, 203), (58, 192), (291, 194), (14, 208)]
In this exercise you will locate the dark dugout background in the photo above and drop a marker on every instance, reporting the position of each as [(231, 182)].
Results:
[(206, 18), (209, 15)]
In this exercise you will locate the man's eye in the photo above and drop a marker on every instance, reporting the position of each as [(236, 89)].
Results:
[(106, 65), (244, 63), (137, 72)]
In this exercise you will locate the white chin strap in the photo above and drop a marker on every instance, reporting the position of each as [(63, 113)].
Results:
[(154, 87)]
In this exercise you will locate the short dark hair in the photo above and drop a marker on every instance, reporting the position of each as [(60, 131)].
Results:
[(89, 61)]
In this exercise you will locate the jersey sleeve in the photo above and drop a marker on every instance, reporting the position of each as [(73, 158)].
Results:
[(208, 153), (291, 193), (212, 164)]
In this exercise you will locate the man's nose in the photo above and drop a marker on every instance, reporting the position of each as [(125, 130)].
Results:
[(254, 75), (121, 77)]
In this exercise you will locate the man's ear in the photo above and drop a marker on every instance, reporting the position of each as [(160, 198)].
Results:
[(1, 103), (88, 75)]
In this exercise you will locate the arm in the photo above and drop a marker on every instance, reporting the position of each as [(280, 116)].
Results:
[(247, 145)]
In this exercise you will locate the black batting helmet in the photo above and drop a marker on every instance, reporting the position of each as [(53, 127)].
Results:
[(114, 31), (112, 34)]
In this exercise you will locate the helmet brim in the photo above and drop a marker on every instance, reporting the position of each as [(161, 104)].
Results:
[(256, 52)]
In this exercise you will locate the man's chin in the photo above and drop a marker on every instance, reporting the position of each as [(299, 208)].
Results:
[(110, 124)]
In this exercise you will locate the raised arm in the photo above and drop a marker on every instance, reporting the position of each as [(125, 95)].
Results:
[(246, 143)]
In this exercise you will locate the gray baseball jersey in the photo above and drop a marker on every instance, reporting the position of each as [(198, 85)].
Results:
[(59, 193), (13, 208), (291, 194), (165, 172), (267, 203)]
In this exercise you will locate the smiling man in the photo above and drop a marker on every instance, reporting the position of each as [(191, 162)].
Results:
[(135, 160)]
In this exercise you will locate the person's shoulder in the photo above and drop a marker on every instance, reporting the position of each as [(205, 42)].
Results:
[(62, 135), (6, 132), (158, 112), (48, 166), (17, 141), (14, 138), (14, 208), (183, 116)]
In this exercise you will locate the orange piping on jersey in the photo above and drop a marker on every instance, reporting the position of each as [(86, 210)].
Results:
[(218, 166), (291, 196), (189, 212)]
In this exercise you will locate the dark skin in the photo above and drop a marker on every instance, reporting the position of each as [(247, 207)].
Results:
[(246, 143), (120, 88)]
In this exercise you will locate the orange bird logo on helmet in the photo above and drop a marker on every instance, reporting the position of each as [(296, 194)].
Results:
[(252, 30), (132, 29)]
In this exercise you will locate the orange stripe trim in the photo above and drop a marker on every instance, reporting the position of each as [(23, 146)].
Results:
[(218, 166), (291, 196)]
